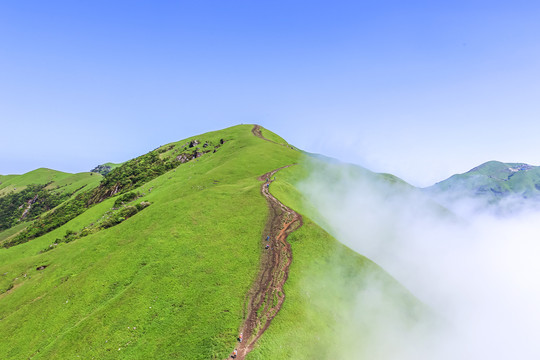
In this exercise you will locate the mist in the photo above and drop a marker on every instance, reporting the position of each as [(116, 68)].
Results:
[(476, 271)]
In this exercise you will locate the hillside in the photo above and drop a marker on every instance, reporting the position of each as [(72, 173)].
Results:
[(25, 197), (162, 259), (64, 182)]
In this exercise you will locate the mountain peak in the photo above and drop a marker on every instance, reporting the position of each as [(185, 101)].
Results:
[(492, 181), (494, 166)]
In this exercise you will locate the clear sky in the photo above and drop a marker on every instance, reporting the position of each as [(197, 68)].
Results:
[(420, 89)]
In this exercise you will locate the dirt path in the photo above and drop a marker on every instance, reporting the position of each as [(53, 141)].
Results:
[(257, 132), (266, 297)]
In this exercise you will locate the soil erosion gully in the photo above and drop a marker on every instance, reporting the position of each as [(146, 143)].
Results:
[(266, 296)]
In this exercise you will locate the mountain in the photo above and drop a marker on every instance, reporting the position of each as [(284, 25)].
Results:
[(52, 178), (104, 169), (165, 257), (492, 183), (25, 197)]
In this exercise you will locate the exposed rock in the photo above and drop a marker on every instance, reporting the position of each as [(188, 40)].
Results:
[(116, 190), (205, 144), (197, 154), (145, 204), (194, 143), (29, 202), (41, 267), (221, 141), (183, 158), (520, 167)]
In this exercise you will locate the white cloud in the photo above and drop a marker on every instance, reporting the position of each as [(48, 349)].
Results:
[(479, 273)]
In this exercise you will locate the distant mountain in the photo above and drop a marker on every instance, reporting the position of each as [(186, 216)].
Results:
[(52, 178), (106, 168), (23, 198), (492, 183)]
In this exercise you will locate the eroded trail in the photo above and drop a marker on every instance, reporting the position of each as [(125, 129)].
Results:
[(266, 297), (257, 132)]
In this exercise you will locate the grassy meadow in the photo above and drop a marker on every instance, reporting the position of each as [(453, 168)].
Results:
[(167, 283), (170, 281), (64, 182)]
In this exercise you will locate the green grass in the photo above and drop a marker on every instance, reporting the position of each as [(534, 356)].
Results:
[(112, 165), (170, 281), (71, 184), (178, 271), (65, 182), (6, 234), (322, 289), (273, 137), (49, 187)]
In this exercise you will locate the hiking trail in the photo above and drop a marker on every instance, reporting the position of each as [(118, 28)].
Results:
[(258, 133), (265, 298)]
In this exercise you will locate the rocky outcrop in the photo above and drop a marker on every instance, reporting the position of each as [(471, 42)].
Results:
[(197, 154), (183, 158), (29, 206)]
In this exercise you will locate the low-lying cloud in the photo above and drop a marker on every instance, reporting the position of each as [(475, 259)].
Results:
[(478, 272)]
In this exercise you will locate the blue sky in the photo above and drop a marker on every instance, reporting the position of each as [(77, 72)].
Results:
[(420, 89)]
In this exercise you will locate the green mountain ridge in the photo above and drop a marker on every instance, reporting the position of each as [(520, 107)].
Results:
[(155, 260), (53, 179), (25, 197)]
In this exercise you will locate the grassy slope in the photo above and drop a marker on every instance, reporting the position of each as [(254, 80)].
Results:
[(6, 234), (324, 281), (273, 137), (113, 165), (178, 271), (66, 182), (59, 181)]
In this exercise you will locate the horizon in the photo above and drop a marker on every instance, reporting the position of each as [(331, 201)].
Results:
[(419, 90), (332, 158)]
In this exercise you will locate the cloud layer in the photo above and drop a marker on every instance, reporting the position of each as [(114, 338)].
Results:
[(478, 272)]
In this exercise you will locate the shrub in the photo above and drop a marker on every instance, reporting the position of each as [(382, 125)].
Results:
[(127, 197)]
